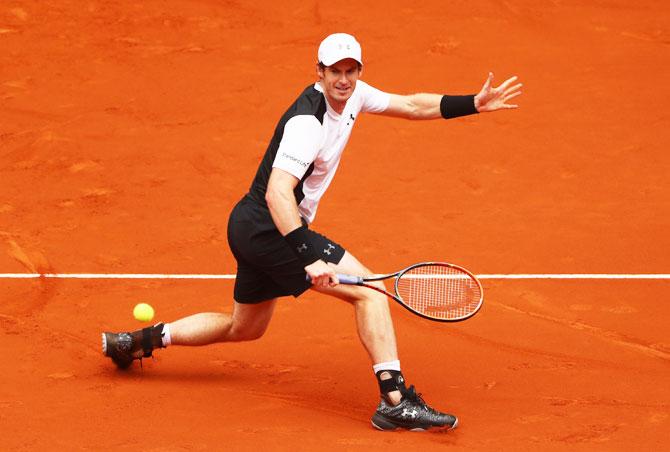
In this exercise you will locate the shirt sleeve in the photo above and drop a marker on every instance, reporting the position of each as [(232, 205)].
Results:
[(374, 100), (299, 145)]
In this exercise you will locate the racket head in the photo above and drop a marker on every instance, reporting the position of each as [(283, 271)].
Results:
[(439, 291)]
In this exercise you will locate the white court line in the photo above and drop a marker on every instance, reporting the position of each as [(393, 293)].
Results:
[(578, 276), (223, 276), (112, 276)]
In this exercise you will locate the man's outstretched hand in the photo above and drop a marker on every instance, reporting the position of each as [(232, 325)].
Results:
[(492, 99)]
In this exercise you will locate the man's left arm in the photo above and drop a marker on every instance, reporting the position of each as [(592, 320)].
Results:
[(433, 106)]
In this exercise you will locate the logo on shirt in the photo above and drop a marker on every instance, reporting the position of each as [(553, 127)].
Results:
[(351, 119), (295, 159)]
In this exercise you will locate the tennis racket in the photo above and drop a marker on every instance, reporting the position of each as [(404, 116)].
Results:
[(433, 290)]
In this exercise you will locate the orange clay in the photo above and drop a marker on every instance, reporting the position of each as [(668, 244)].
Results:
[(129, 129)]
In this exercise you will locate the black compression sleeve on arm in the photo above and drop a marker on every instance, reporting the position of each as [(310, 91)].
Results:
[(298, 240), (455, 106)]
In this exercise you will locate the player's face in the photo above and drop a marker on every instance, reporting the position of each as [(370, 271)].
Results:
[(338, 81)]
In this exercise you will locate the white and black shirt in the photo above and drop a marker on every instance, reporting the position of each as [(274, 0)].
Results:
[(309, 140)]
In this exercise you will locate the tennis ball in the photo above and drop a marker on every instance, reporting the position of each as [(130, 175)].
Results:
[(143, 312)]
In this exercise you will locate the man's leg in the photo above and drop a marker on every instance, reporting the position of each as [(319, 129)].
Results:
[(373, 318), (247, 322), (400, 407)]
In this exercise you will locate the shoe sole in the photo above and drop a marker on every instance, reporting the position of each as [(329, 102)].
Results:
[(104, 344), (386, 426)]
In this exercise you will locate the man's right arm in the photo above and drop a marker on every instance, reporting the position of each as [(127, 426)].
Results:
[(281, 201), (284, 211)]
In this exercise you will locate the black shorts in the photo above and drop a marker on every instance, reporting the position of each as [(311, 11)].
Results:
[(266, 266)]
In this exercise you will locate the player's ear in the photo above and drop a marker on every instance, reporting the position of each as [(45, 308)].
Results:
[(319, 70)]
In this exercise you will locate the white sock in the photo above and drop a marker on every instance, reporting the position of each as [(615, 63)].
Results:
[(390, 365), (167, 339)]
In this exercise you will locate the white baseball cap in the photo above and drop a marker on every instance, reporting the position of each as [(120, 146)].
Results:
[(339, 46)]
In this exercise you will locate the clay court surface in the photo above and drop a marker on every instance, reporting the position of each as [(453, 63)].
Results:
[(128, 130)]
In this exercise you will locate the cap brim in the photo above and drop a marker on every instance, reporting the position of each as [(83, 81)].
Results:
[(332, 60)]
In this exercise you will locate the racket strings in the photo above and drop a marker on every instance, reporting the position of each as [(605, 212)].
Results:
[(440, 291)]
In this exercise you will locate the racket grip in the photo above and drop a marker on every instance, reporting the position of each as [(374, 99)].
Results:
[(344, 279), (349, 279)]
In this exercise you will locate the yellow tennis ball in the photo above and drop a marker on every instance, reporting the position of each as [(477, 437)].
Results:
[(143, 312)]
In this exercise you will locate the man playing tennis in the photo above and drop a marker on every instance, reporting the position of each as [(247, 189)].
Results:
[(275, 249)]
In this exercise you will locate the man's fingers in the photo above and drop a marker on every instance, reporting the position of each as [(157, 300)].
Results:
[(508, 82), (321, 274), (503, 86), (516, 87), (319, 280), (327, 280), (487, 83), (496, 98), (511, 96)]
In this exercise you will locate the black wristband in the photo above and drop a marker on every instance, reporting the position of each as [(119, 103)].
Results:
[(455, 106), (298, 240)]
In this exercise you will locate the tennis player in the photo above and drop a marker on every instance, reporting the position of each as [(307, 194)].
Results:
[(270, 236)]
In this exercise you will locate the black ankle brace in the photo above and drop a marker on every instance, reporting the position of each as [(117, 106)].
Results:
[(151, 339), (395, 383)]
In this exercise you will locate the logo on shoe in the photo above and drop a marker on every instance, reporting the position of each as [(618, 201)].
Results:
[(406, 412), (124, 342)]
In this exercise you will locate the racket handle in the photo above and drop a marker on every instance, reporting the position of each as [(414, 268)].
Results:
[(349, 279), (344, 279)]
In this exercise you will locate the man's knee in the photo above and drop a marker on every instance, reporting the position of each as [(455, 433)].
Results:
[(250, 321), (245, 334), (366, 294)]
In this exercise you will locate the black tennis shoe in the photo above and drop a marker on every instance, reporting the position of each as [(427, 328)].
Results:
[(124, 348), (412, 413)]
